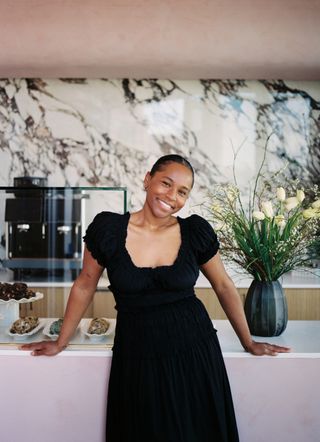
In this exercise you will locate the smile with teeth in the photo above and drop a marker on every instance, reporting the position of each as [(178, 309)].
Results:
[(165, 205)]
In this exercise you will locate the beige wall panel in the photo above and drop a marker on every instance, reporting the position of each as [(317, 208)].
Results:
[(103, 305), (52, 305), (303, 304), (210, 301)]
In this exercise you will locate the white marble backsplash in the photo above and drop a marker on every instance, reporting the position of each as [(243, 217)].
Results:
[(110, 132)]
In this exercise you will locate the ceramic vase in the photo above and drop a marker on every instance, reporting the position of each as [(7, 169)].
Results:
[(266, 308)]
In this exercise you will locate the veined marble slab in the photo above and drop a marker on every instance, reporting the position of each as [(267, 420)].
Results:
[(110, 132)]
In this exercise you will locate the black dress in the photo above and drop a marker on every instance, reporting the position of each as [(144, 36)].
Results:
[(168, 381)]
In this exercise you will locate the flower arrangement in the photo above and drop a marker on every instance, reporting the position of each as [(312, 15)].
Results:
[(273, 234)]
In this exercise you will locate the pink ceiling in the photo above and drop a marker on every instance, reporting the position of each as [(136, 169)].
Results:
[(185, 39)]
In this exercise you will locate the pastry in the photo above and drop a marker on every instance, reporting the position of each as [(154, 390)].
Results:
[(98, 326), (16, 291), (24, 325), (55, 327)]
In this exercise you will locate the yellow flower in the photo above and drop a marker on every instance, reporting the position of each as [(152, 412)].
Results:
[(300, 195), (216, 208), (258, 215), (280, 221), (267, 209), (219, 226), (270, 231), (309, 213), (232, 193), (281, 194), (316, 204), (291, 203)]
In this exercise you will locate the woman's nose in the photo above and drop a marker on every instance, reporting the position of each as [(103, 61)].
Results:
[(172, 193)]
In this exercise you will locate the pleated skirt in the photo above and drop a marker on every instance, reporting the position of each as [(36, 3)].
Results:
[(168, 381)]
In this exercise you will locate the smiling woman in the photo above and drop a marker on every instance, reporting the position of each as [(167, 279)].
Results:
[(168, 381), (167, 189), (171, 179)]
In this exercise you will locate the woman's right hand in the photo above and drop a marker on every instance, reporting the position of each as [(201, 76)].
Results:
[(43, 348)]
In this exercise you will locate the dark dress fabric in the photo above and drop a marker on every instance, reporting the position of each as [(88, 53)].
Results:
[(168, 381)]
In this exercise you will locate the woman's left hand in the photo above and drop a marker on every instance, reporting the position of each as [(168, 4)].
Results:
[(263, 348)]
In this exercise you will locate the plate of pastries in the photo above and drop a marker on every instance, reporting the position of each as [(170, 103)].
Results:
[(17, 292)]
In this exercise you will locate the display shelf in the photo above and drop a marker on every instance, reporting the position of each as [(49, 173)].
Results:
[(78, 340), (9, 310), (41, 232)]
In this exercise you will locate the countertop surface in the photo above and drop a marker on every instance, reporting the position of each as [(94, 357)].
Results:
[(303, 337)]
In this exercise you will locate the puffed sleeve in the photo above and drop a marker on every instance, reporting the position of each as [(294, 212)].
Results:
[(101, 238), (204, 241)]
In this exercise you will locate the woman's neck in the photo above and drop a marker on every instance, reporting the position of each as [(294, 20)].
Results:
[(146, 219)]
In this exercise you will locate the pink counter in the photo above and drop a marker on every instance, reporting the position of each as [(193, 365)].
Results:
[(64, 398)]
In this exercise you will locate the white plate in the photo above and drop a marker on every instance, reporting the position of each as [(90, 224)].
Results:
[(94, 336), (23, 300), (19, 337), (46, 330)]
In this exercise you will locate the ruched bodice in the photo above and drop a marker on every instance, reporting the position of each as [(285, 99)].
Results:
[(168, 381), (134, 286)]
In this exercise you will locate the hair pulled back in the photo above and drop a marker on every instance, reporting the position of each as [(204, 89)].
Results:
[(172, 158)]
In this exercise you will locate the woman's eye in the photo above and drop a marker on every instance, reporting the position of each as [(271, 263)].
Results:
[(182, 193), (165, 183)]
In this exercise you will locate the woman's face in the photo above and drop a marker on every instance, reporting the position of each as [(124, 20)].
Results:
[(168, 189)]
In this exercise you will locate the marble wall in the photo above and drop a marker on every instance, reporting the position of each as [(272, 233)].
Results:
[(109, 132)]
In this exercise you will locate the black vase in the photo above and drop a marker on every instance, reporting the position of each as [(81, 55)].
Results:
[(266, 308)]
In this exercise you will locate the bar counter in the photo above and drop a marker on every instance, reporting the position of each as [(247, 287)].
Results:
[(64, 398)]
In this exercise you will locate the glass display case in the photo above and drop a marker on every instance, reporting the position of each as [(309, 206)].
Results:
[(41, 249)]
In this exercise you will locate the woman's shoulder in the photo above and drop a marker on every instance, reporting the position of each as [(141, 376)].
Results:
[(198, 223), (110, 215), (107, 217), (105, 223), (102, 235), (203, 238)]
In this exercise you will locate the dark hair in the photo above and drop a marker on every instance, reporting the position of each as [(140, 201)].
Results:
[(172, 158)]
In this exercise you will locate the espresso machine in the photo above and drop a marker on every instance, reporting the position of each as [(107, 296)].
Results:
[(43, 230)]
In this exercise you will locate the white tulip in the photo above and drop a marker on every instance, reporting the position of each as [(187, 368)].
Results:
[(258, 215), (291, 203), (267, 209), (281, 194), (316, 204), (300, 195)]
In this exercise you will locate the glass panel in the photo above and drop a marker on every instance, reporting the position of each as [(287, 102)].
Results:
[(41, 248)]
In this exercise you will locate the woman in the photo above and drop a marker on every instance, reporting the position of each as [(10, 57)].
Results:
[(168, 381)]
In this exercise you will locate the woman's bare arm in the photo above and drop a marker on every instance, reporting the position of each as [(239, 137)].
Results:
[(230, 301), (81, 295)]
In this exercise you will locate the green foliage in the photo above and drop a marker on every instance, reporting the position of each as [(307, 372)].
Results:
[(272, 239)]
